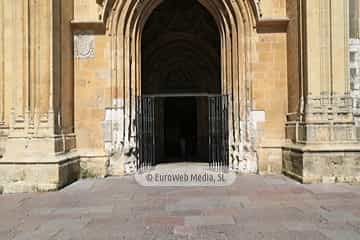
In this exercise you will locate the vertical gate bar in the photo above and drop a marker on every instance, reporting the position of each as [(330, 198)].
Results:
[(153, 131), (216, 134), (157, 128), (213, 136), (150, 133), (209, 119), (213, 133), (209, 132), (227, 131), (223, 131), (143, 102), (144, 119), (218, 160), (141, 135), (137, 127), (140, 131), (141, 120), (220, 132), (137, 133), (148, 153), (147, 133)]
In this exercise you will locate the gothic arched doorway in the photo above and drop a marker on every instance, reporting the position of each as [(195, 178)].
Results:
[(181, 72), (235, 21)]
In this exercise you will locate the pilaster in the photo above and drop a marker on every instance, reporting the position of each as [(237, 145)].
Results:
[(323, 140), (32, 80)]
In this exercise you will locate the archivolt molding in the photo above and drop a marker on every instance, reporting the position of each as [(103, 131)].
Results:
[(235, 20)]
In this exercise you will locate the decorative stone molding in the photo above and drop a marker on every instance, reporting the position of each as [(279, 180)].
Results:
[(325, 108), (327, 120)]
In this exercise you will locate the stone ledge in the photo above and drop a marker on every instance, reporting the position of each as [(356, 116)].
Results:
[(97, 27), (272, 25), (352, 147), (26, 187)]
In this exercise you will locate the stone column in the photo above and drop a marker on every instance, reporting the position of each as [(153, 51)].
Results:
[(36, 155), (326, 144)]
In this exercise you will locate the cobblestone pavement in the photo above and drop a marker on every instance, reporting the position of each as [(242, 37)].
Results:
[(255, 207)]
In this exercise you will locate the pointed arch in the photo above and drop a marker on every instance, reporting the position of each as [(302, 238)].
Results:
[(235, 21)]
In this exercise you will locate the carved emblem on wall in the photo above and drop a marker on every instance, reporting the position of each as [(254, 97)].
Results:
[(84, 45)]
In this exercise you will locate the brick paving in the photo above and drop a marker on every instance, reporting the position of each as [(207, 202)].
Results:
[(254, 207)]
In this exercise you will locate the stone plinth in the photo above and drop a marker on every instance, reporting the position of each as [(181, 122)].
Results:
[(322, 163), (39, 173)]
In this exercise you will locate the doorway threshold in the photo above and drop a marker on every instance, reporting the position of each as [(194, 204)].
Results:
[(182, 165), (180, 95)]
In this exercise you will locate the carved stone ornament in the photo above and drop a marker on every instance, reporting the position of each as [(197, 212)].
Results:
[(84, 45)]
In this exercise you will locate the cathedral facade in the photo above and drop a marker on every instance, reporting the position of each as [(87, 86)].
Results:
[(93, 88)]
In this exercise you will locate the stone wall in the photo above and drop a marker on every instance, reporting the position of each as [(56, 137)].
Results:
[(70, 72), (270, 76)]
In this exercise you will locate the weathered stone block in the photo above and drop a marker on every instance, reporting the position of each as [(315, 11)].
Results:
[(319, 163), (93, 166), (39, 176)]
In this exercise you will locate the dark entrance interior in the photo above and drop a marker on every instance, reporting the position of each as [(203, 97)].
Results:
[(180, 129), (180, 67)]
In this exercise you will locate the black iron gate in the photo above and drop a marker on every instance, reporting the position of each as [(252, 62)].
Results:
[(149, 130), (218, 132), (145, 124)]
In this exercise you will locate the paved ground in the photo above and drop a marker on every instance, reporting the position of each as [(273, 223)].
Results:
[(255, 207)]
